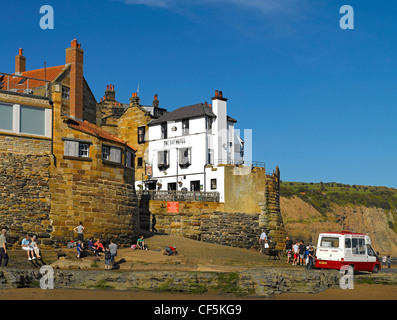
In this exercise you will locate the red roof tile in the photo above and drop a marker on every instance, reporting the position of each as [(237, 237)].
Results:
[(15, 82), (96, 131)]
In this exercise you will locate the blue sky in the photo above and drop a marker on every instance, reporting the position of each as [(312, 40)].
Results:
[(321, 101)]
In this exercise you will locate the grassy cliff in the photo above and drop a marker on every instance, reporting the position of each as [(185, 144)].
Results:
[(311, 208)]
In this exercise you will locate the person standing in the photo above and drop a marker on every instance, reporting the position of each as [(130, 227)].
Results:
[(108, 258), (310, 257), (302, 250), (3, 249), (288, 248), (154, 221), (295, 251), (388, 261), (263, 241), (384, 259), (80, 248), (80, 232), (113, 252)]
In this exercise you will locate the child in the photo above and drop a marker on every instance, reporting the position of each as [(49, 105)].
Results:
[(79, 248), (108, 259)]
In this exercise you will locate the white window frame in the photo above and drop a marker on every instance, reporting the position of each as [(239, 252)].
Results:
[(76, 149), (16, 121)]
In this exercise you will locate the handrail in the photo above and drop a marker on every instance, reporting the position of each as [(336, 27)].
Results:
[(174, 195), (22, 85)]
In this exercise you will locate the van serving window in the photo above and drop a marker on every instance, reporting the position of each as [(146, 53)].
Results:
[(329, 242)]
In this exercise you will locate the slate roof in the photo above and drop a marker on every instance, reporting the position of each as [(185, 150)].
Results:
[(193, 111)]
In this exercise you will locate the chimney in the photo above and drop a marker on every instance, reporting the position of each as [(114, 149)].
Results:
[(110, 94), (219, 108), (20, 62), (134, 100), (156, 101), (74, 57)]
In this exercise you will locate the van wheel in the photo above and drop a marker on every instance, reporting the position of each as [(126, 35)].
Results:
[(376, 269)]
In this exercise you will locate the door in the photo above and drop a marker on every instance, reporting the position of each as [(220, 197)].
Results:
[(172, 186), (195, 185)]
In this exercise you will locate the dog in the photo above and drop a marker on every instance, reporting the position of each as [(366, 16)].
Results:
[(272, 253)]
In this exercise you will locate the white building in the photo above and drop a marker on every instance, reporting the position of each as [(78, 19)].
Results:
[(189, 146)]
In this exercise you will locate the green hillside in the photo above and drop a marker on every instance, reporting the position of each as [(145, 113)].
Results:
[(322, 195)]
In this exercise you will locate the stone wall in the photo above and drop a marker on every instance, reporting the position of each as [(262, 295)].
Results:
[(25, 196), (256, 283), (204, 221), (24, 144)]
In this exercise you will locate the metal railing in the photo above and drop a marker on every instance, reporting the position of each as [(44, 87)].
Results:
[(239, 163), (22, 84), (173, 195)]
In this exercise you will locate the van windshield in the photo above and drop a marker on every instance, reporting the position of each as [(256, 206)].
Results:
[(329, 242)]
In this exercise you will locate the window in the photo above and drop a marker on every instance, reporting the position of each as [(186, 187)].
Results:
[(164, 133), (348, 243), (115, 155), (163, 161), (76, 149), (185, 127), (328, 242), (6, 116), (32, 121), (25, 119), (358, 246), (84, 150), (370, 251), (129, 159), (185, 157), (171, 186), (112, 154), (139, 162), (141, 134), (213, 184), (210, 157), (65, 93), (208, 124), (105, 153)]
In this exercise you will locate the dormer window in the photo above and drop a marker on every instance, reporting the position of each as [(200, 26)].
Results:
[(65, 93)]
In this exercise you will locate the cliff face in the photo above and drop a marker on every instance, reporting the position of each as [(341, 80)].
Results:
[(303, 222)]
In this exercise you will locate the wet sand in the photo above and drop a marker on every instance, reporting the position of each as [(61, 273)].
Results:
[(360, 292)]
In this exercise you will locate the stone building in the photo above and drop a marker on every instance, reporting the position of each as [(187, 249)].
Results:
[(130, 123), (55, 161)]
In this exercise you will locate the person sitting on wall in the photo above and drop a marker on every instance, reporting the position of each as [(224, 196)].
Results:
[(90, 245), (98, 248), (140, 244), (35, 248), (26, 246)]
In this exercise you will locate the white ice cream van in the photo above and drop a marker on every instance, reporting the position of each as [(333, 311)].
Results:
[(337, 249)]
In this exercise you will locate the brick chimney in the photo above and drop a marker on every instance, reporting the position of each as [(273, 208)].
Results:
[(74, 57), (156, 101), (134, 100), (20, 62), (110, 94)]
